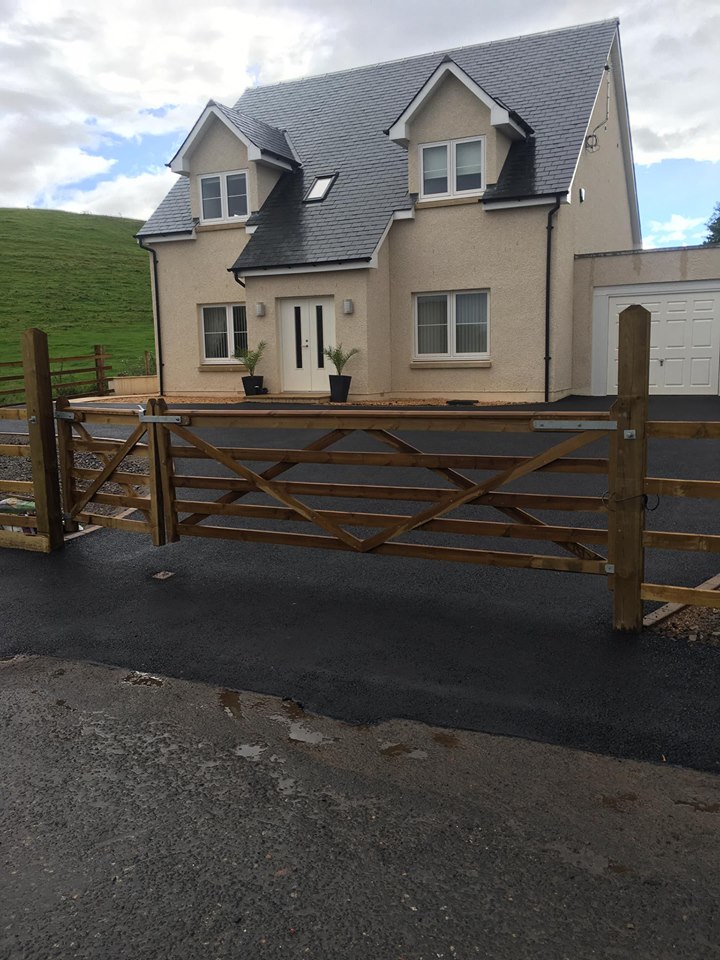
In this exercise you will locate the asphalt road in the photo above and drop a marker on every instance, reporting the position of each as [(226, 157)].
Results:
[(521, 653), (151, 818)]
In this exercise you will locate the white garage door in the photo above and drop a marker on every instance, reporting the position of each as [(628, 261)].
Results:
[(684, 342)]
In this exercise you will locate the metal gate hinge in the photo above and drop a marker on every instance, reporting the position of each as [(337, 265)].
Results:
[(629, 434), (170, 418), (609, 568), (64, 415), (559, 425)]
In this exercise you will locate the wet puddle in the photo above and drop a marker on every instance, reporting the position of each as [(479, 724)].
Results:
[(449, 740), (230, 702), (699, 805), (293, 709), (142, 679), (390, 750), (619, 802), (249, 751)]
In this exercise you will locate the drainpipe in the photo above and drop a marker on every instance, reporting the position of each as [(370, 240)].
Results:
[(156, 289), (237, 278), (548, 291)]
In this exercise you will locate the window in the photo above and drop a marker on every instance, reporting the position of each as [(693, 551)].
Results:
[(452, 325), (320, 188), (453, 168), (224, 196), (224, 332)]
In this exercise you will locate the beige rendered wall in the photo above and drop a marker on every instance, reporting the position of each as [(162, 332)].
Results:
[(219, 150), (602, 222), (629, 268), (452, 113), (191, 273), (351, 330), (449, 248)]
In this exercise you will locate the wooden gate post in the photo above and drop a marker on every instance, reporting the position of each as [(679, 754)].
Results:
[(41, 430), (100, 373), (628, 461), (156, 513), (66, 463)]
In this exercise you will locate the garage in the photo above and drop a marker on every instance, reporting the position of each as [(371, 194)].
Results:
[(685, 336)]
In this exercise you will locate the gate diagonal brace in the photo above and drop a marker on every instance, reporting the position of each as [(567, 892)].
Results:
[(458, 498), (267, 487), (327, 440), (108, 470), (105, 457), (460, 480)]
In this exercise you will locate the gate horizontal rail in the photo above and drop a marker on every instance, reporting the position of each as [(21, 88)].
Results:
[(169, 441)]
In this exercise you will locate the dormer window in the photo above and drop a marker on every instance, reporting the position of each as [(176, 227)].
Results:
[(224, 196), (320, 188), (453, 168)]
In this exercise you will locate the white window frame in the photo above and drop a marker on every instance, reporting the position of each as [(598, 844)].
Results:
[(452, 354), (223, 175), (229, 331), (452, 191)]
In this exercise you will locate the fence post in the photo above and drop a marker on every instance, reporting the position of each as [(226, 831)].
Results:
[(66, 463), (41, 430), (100, 377), (166, 468), (628, 468), (156, 512)]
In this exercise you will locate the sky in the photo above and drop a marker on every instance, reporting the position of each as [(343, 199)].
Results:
[(96, 97)]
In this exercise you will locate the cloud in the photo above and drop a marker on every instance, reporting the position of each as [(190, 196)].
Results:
[(80, 77), (122, 196), (678, 231)]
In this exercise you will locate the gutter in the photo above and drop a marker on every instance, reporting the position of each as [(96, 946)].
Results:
[(548, 289), (158, 330)]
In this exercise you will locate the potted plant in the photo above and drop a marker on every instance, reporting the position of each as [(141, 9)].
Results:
[(251, 358), (339, 385)]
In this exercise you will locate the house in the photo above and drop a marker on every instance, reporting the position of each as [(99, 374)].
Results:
[(468, 219)]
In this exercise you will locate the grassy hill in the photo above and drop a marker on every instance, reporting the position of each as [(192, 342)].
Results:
[(81, 278)]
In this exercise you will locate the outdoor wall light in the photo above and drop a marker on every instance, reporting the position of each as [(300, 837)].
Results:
[(348, 307), (259, 309)]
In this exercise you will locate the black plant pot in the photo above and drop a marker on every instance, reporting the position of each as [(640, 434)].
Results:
[(252, 385), (339, 388)]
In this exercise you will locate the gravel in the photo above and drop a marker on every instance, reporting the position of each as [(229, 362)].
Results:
[(20, 468)]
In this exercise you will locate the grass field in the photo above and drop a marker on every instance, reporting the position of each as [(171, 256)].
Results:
[(81, 278)]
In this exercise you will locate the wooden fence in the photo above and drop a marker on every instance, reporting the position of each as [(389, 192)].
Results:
[(44, 488), (83, 375), (172, 500)]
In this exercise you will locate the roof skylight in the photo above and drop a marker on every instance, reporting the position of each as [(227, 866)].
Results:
[(319, 189)]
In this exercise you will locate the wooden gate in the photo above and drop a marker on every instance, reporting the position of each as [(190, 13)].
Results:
[(172, 500)]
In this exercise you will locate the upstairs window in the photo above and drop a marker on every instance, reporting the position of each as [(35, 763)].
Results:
[(320, 188), (224, 332), (223, 196), (452, 326), (453, 168)]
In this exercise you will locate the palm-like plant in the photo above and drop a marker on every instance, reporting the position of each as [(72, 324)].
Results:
[(339, 357), (251, 358)]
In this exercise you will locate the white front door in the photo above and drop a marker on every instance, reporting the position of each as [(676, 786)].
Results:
[(684, 341), (307, 326)]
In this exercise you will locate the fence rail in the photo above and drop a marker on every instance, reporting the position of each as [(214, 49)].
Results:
[(62, 378), (171, 500)]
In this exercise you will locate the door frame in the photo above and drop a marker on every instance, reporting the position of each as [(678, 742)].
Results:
[(601, 318), (306, 301)]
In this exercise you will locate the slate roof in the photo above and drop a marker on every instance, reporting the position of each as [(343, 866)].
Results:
[(173, 215), (336, 123), (266, 137)]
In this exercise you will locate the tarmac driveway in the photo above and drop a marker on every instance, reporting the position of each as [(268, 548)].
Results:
[(522, 653)]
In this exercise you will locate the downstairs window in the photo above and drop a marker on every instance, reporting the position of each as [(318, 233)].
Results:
[(452, 325), (224, 332)]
